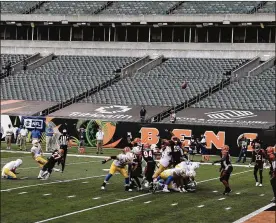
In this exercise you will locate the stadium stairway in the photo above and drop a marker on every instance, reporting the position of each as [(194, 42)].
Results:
[(233, 76)]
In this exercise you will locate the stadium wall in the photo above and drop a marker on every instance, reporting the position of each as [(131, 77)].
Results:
[(116, 132), (134, 49)]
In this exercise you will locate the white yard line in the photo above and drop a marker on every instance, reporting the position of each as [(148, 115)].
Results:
[(245, 218), (54, 182), (69, 164), (119, 201)]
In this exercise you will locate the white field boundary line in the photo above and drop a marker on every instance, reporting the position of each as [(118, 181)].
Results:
[(54, 182), (247, 217), (69, 164), (119, 201), (103, 157)]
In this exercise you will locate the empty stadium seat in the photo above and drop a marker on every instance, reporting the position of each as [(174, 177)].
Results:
[(14, 58), (162, 85), (19, 7), (63, 78), (255, 93), (202, 7), (269, 7)]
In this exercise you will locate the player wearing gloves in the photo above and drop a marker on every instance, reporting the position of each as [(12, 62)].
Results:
[(119, 165), (225, 169), (258, 157), (8, 171)]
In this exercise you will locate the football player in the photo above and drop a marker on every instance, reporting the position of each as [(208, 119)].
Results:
[(164, 161), (135, 170), (192, 148), (148, 157), (272, 161), (8, 171), (47, 169), (170, 176), (119, 165), (225, 169), (177, 152), (37, 153), (258, 157)]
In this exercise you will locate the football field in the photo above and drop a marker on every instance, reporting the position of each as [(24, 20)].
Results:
[(75, 196)]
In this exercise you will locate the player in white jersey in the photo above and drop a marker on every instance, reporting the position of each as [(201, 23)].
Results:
[(119, 165), (37, 153), (8, 171), (164, 162)]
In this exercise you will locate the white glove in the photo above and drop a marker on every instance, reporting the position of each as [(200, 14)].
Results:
[(249, 165)]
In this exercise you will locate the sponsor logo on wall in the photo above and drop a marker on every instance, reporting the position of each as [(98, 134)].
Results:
[(106, 112), (33, 123), (230, 114)]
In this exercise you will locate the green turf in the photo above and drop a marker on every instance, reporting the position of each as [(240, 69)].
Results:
[(33, 206)]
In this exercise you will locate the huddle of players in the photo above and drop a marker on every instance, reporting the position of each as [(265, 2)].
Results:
[(173, 171)]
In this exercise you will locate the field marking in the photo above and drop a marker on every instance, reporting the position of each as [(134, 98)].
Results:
[(47, 194), (200, 206), (96, 198), (23, 178), (238, 193), (69, 164), (119, 201), (215, 191), (228, 208), (220, 199), (174, 204), (71, 196), (24, 192), (85, 182), (147, 202), (245, 218), (261, 195), (53, 182)]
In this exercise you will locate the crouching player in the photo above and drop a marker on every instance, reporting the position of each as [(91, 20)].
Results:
[(119, 165), (47, 169), (37, 153), (9, 169), (173, 178), (272, 161), (225, 169)]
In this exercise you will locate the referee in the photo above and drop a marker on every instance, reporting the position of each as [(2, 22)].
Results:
[(63, 143)]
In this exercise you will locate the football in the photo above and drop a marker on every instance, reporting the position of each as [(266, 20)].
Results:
[(184, 85)]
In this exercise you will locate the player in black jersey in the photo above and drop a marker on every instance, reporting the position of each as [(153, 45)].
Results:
[(47, 169), (135, 170), (259, 158), (225, 169), (177, 152), (148, 157)]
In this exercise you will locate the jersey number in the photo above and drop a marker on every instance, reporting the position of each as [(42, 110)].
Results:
[(258, 157), (147, 154)]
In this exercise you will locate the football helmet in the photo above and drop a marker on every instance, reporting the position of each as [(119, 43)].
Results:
[(225, 148), (269, 150), (136, 150), (257, 147), (127, 150), (146, 146), (153, 146), (35, 142), (130, 157), (182, 172), (18, 162)]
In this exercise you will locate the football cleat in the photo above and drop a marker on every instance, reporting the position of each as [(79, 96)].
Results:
[(257, 184), (260, 185), (129, 190), (102, 188), (166, 190)]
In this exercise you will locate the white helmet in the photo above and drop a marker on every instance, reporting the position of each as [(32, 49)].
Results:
[(35, 142), (18, 162), (64, 130), (182, 172), (153, 146), (191, 173), (136, 150), (195, 165), (130, 156)]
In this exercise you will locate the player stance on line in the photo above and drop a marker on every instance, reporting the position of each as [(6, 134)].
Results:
[(119, 164), (37, 153), (9, 169), (148, 157), (272, 161), (47, 169), (225, 169), (258, 157)]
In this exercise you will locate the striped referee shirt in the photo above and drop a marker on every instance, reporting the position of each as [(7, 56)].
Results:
[(64, 139)]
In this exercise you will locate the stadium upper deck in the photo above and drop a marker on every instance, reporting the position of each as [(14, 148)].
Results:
[(137, 8)]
